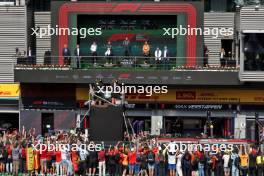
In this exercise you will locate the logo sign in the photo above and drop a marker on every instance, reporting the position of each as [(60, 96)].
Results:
[(185, 95)]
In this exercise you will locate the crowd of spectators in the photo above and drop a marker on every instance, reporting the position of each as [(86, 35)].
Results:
[(22, 154)]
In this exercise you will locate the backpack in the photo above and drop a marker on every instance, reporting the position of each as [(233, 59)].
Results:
[(237, 161)]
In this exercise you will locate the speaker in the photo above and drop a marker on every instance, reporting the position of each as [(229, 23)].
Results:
[(106, 123)]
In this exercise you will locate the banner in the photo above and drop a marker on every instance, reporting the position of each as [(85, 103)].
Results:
[(9, 90), (30, 159), (194, 96), (200, 96)]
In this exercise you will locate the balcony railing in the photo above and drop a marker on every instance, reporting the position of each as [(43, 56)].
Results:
[(122, 63)]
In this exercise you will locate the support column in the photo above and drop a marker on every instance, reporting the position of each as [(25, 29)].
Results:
[(156, 124), (240, 127)]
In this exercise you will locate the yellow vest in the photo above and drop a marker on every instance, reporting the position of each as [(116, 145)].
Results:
[(260, 159)]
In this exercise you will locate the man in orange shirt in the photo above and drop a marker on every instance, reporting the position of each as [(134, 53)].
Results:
[(243, 161), (146, 51)]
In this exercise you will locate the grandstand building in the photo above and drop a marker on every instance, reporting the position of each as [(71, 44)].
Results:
[(214, 81)]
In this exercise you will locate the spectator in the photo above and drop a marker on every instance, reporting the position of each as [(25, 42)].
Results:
[(126, 45), (235, 163), (243, 161), (166, 58), (222, 58), (30, 57), (206, 56), (226, 159), (158, 54), (132, 160), (151, 162), (78, 56), (146, 51), (66, 54), (101, 159), (111, 161), (93, 161), (172, 163), (201, 164), (260, 163), (93, 50), (15, 158), (252, 163), (109, 53)]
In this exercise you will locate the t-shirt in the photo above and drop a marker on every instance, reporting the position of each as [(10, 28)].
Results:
[(23, 153), (58, 156), (63, 154), (179, 158), (43, 154), (244, 160), (15, 153), (93, 156), (125, 160), (226, 160), (101, 156), (132, 157), (172, 159)]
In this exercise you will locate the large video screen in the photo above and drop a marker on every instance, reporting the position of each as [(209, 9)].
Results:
[(137, 28)]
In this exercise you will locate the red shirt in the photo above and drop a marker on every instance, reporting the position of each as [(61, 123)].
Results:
[(43, 154), (9, 150), (49, 155), (58, 156), (101, 156), (132, 157), (23, 152)]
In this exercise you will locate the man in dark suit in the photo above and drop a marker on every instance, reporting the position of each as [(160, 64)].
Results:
[(66, 54), (78, 56), (166, 58)]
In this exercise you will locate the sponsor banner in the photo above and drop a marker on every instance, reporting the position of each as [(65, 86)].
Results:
[(199, 107), (58, 103), (201, 96), (9, 90)]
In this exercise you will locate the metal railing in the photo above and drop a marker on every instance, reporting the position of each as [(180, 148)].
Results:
[(122, 62)]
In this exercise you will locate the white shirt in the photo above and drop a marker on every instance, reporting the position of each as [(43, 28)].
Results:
[(165, 53), (226, 160), (29, 53), (222, 54), (172, 147), (171, 159), (78, 51), (108, 52), (158, 54), (83, 153), (93, 48), (63, 154), (179, 158)]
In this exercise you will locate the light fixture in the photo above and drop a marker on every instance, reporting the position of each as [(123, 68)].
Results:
[(257, 8)]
